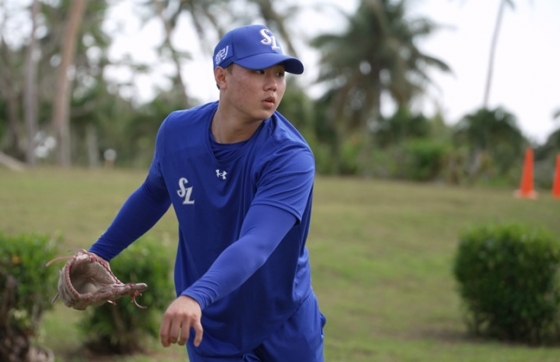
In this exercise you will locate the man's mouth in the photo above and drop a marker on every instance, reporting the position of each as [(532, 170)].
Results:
[(270, 101)]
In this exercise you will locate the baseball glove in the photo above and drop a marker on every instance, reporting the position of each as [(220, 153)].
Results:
[(87, 280)]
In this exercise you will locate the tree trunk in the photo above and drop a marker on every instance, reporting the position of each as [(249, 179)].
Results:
[(337, 119), (367, 118), (30, 90), (493, 53), (13, 123), (61, 110), (92, 146)]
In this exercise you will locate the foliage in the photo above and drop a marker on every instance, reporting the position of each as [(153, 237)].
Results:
[(545, 160), (123, 328), (350, 153), (424, 159), (401, 126), (297, 107), (494, 140), (23, 258), (3, 121), (376, 54), (508, 280), (26, 290), (406, 139), (303, 114), (323, 161), (551, 146)]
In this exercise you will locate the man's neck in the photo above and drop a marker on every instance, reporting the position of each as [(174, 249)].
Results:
[(228, 129)]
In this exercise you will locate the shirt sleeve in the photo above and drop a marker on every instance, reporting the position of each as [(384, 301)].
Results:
[(263, 229), (140, 212), (287, 180)]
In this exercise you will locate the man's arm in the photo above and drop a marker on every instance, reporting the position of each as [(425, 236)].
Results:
[(140, 212), (263, 229)]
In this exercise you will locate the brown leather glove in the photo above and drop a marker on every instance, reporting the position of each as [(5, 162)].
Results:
[(87, 280)]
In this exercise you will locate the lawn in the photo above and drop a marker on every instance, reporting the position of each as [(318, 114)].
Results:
[(381, 253)]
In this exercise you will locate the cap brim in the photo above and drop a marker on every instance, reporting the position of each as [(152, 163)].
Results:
[(267, 60)]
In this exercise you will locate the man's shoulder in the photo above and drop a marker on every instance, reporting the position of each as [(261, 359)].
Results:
[(283, 132), (282, 144), (191, 115)]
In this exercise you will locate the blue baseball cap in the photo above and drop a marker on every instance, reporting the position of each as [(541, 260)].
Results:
[(253, 47)]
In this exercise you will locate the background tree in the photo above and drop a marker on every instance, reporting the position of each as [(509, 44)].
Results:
[(493, 46), (375, 54), (30, 91), (494, 140), (169, 22), (279, 21), (546, 155), (11, 82), (60, 117), (372, 72), (93, 95)]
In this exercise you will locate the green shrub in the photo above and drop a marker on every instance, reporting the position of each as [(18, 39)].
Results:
[(350, 153), (322, 153), (123, 328), (424, 159), (508, 280), (26, 290)]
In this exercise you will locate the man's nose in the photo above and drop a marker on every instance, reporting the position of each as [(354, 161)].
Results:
[(271, 83)]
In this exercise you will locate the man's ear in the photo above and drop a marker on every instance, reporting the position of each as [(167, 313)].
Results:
[(220, 77)]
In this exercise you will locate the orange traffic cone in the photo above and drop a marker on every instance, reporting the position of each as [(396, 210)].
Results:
[(527, 190), (556, 184)]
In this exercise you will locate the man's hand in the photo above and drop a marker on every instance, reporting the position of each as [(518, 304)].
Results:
[(181, 315)]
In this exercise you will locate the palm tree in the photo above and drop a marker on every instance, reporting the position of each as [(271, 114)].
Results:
[(169, 27), (376, 54), (501, 10), (490, 135), (204, 17), (168, 14)]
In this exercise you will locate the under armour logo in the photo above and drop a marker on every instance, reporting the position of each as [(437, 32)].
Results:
[(221, 174)]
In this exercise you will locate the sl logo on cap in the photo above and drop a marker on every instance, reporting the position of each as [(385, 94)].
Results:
[(269, 39), (221, 55)]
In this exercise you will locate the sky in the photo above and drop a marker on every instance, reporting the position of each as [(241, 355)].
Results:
[(526, 79)]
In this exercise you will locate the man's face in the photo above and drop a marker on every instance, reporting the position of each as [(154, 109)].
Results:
[(255, 93)]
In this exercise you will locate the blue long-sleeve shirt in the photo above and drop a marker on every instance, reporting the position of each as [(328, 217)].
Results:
[(243, 211)]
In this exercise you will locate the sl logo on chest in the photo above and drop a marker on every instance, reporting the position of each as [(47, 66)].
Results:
[(185, 192)]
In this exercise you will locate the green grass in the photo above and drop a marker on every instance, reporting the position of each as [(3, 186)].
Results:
[(381, 254)]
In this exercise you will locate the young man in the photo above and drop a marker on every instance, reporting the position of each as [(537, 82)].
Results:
[(240, 179)]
